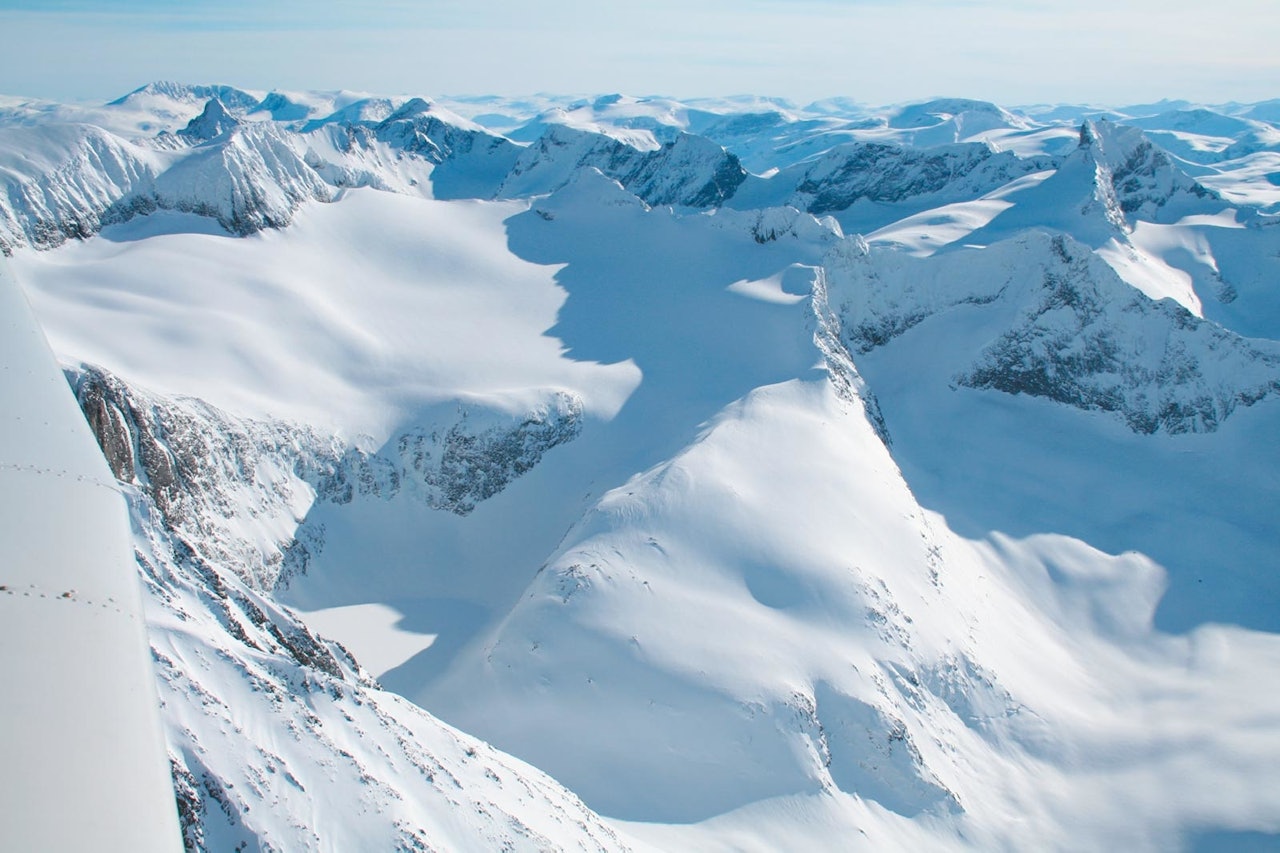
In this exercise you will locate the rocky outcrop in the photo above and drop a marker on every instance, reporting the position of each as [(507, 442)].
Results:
[(1153, 363), (233, 484), (1079, 335), (456, 468), (66, 184), (266, 719), (1142, 179), (689, 171), (885, 172), (210, 124)]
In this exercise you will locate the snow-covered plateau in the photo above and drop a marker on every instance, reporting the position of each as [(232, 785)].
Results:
[(634, 474)]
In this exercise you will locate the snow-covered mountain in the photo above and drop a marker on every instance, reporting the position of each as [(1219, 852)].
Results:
[(824, 477)]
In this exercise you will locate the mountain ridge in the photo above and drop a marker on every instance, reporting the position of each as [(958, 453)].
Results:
[(919, 479)]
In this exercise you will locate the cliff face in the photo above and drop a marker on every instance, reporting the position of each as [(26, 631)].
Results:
[(237, 484), (1076, 333)]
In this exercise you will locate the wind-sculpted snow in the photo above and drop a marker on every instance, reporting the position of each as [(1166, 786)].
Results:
[(1076, 333), (770, 617), (241, 487)]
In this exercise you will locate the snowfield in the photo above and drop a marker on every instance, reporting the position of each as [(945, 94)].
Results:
[(575, 474)]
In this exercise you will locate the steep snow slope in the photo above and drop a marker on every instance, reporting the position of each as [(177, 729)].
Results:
[(277, 738), (771, 613), (82, 761)]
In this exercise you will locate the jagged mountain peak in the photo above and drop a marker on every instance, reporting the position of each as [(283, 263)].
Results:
[(213, 121), (1145, 181), (1083, 337), (688, 171)]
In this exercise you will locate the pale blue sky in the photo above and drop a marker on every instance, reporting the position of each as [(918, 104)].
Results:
[(876, 51)]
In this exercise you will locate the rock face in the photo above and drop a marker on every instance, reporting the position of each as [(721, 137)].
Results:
[(689, 171), (1087, 343), (210, 124), (1144, 182), (1079, 335), (470, 162), (882, 172), (259, 709), (241, 486), (459, 467), (65, 185)]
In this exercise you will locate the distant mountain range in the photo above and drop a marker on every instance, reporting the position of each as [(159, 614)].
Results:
[(735, 474)]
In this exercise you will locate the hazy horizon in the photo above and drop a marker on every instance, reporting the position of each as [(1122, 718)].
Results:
[(876, 52)]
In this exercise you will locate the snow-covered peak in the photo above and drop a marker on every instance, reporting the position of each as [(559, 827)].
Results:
[(1147, 183), (967, 116), (213, 122), (689, 171), (362, 111), (169, 96), (1080, 335), (701, 509)]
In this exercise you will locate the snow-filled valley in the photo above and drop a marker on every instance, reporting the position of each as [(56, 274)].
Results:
[(626, 473)]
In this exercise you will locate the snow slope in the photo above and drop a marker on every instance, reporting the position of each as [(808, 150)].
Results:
[(277, 738), (751, 533)]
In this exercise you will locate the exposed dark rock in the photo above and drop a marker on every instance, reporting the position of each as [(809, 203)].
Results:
[(885, 172), (1148, 361), (689, 171), (202, 467), (213, 122)]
